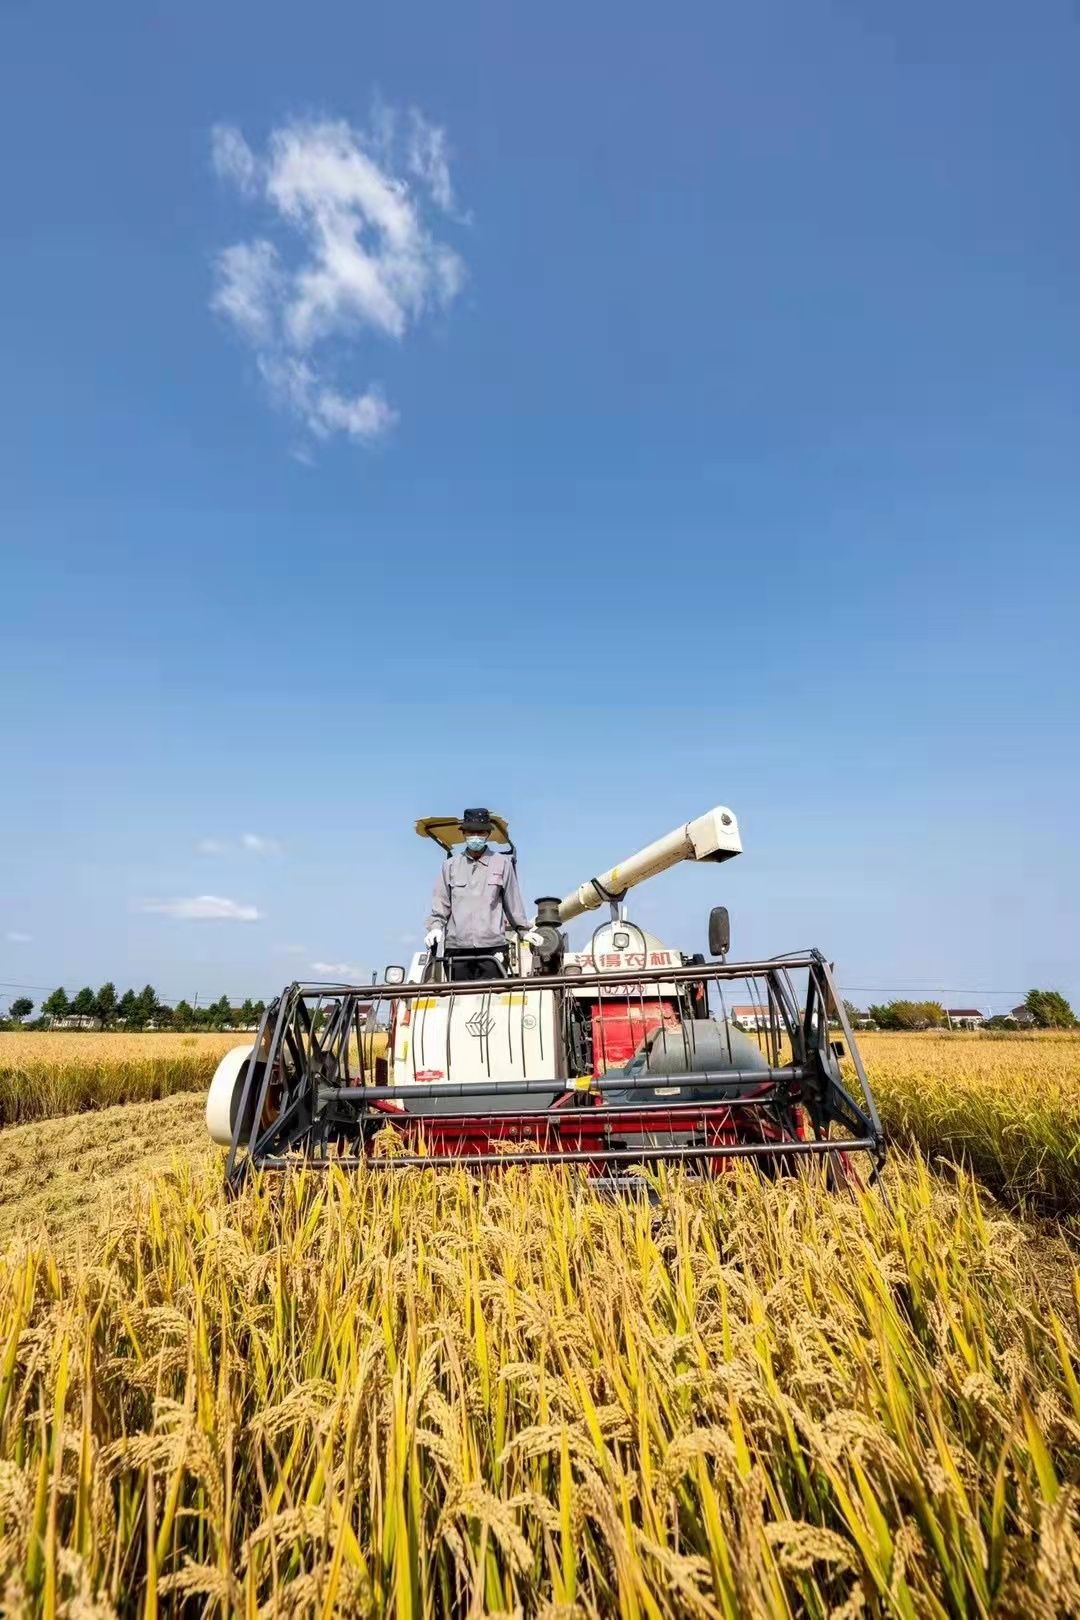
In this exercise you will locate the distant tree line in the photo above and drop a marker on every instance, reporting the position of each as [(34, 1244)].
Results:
[(1046, 1009), (139, 1009), (909, 1015)]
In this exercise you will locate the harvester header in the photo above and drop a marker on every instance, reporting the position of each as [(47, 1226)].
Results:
[(616, 1058)]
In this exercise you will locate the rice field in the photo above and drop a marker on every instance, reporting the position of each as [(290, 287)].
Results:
[(1007, 1107), (43, 1074), (431, 1396), (435, 1395)]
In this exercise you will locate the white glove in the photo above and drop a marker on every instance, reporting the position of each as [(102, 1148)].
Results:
[(433, 938), (532, 936)]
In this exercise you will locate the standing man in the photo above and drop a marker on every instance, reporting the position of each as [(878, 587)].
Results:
[(476, 899)]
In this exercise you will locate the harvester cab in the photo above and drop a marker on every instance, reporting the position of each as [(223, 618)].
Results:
[(616, 1056)]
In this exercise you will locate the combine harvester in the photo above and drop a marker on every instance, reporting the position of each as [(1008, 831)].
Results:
[(616, 1057)]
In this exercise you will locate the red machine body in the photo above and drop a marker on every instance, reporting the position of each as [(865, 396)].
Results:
[(582, 1129), (618, 1030)]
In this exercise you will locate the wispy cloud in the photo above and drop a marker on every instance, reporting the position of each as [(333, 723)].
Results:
[(360, 204), (347, 971), (15, 937), (291, 950), (233, 158), (259, 845), (202, 908), (255, 843)]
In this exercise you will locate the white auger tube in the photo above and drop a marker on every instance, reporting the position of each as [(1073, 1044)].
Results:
[(712, 837)]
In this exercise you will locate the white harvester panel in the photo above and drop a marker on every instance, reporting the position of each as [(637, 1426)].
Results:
[(621, 946), (497, 1036)]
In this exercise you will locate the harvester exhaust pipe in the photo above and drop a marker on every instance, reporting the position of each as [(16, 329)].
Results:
[(711, 837), (547, 923)]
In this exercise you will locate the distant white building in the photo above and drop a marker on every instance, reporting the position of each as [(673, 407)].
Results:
[(965, 1017), (752, 1016)]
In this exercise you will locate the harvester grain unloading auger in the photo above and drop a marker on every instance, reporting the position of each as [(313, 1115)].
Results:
[(615, 1058)]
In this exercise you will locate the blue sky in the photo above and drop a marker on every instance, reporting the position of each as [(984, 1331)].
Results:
[(595, 412)]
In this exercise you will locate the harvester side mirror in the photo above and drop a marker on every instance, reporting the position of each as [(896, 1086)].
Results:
[(719, 931), (394, 975)]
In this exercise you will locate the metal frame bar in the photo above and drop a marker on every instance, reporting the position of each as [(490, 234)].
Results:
[(644, 1155), (664, 1117), (566, 981), (692, 1080)]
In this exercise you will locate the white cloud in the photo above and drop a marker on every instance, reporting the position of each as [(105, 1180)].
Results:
[(253, 842), (340, 971), (428, 159), (323, 410), (15, 937), (203, 908), (369, 260), (233, 158), (249, 284), (292, 950), (259, 845)]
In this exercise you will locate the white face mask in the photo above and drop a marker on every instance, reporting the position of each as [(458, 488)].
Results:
[(475, 843)]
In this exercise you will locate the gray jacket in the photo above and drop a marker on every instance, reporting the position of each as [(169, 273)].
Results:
[(475, 900)]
